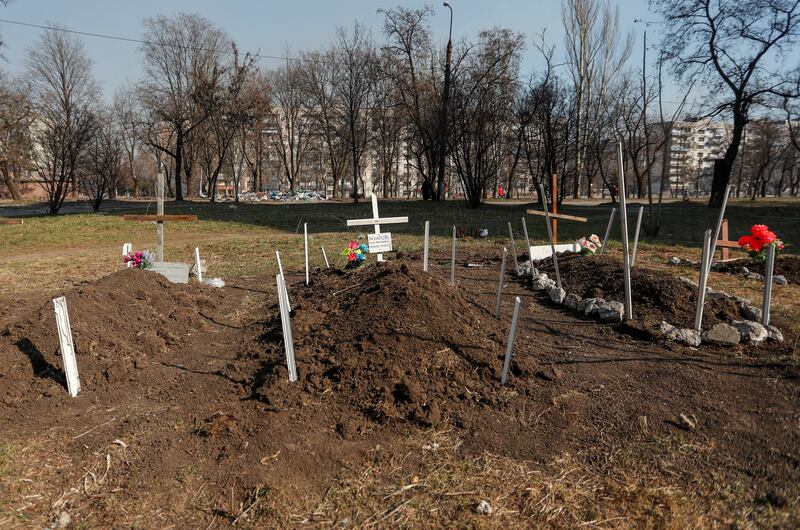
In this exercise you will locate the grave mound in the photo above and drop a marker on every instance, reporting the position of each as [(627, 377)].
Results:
[(656, 295), (785, 265), (394, 343), (118, 322)]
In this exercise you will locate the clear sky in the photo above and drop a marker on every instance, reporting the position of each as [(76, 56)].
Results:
[(269, 26)]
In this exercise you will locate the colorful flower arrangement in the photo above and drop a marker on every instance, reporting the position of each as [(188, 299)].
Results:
[(758, 242), (589, 245), (138, 259), (355, 253)]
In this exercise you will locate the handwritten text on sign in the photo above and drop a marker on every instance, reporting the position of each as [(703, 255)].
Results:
[(379, 242)]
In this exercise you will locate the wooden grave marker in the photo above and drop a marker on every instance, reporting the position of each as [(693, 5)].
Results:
[(7, 221), (377, 221), (552, 213)]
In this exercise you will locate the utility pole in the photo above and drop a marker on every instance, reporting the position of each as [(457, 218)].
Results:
[(443, 129)]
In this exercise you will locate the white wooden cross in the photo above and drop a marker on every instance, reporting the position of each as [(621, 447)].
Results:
[(376, 220)]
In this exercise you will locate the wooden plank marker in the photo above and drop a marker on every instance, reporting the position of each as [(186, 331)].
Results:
[(770, 270), (8, 221), (527, 241), (701, 285), (626, 257), (199, 270), (723, 242), (325, 256), (608, 230), (159, 218), (425, 248), (305, 246), (500, 283), (510, 347), (636, 235), (453, 259), (552, 215), (552, 242), (513, 247), (376, 220), (286, 324), (67, 346)]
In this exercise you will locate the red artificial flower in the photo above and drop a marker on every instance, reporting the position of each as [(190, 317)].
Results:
[(351, 256), (746, 242)]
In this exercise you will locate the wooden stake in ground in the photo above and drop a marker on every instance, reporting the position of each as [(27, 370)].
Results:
[(376, 220), (453, 259), (510, 347), (608, 230), (552, 215), (552, 243), (425, 248), (286, 324), (527, 242), (513, 247), (770, 269), (197, 264), (159, 218), (67, 346), (636, 235), (701, 285), (626, 257), (500, 283), (305, 246), (325, 256)]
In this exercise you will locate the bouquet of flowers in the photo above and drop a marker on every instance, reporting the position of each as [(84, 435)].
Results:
[(758, 242), (355, 253), (589, 245), (140, 260)]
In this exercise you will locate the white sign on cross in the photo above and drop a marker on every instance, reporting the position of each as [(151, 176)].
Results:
[(376, 220)]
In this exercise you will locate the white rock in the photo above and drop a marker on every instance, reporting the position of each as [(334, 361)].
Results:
[(687, 336), (674, 260), (774, 333), (750, 331), (779, 279), (556, 294), (572, 300), (611, 311), (755, 276), (590, 306), (722, 333), (687, 281), (752, 313), (215, 282), (484, 508)]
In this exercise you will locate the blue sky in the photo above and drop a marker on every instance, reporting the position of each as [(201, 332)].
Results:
[(270, 26)]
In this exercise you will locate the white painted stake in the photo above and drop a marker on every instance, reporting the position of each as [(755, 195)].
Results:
[(160, 211), (453, 259), (127, 248), (719, 222), (608, 230), (550, 235), (513, 247), (502, 279), (286, 324), (770, 269), (701, 285), (67, 346), (197, 264), (305, 242), (510, 348), (626, 257), (527, 241), (324, 255), (280, 270), (636, 235), (425, 251)]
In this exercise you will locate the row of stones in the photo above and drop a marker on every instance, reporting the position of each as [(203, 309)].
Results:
[(749, 330)]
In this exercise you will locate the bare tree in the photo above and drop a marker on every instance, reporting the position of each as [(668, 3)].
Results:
[(103, 160), (63, 94), (731, 46), (15, 138), (183, 63), (129, 120)]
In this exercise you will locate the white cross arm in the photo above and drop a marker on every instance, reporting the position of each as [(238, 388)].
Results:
[(383, 221)]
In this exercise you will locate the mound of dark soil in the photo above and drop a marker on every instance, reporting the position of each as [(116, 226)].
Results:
[(656, 295), (391, 342), (786, 265)]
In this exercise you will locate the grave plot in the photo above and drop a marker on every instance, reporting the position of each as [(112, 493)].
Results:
[(664, 305), (786, 265)]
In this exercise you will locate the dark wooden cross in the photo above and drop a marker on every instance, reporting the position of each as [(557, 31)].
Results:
[(553, 211), (159, 218)]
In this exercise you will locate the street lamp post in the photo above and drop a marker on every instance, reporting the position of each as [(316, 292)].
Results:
[(443, 129)]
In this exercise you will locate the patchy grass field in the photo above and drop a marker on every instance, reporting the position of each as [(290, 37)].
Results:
[(424, 479)]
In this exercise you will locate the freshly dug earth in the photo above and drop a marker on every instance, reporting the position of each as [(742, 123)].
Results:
[(787, 265), (186, 414), (656, 295)]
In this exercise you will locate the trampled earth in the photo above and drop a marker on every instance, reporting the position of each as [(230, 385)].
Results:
[(187, 417)]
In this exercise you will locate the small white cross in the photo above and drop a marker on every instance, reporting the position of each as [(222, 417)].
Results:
[(376, 220)]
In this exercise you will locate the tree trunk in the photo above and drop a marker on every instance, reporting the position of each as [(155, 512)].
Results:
[(178, 164), (11, 184), (723, 168)]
